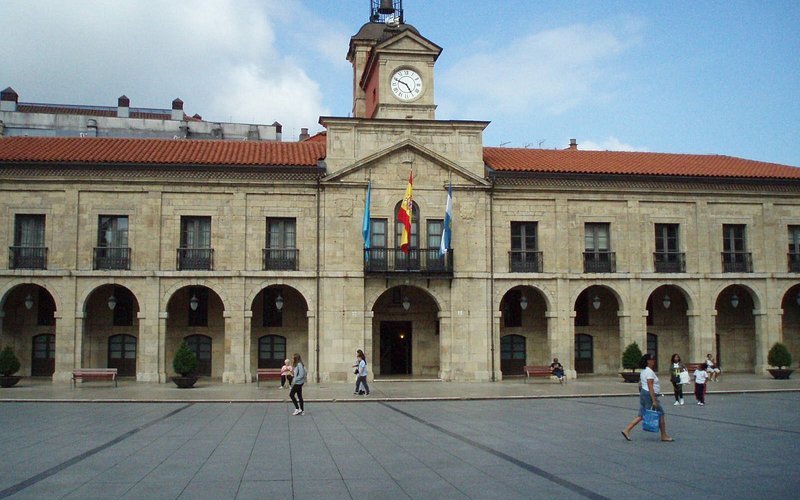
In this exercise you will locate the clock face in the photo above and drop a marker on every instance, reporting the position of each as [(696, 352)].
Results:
[(406, 84)]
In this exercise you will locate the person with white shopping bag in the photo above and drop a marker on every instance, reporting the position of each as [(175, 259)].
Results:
[(676, 368)]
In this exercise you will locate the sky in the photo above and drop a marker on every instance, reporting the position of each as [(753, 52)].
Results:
[(698, 77)]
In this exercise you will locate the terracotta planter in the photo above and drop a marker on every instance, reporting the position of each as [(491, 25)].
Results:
[(11, 380), (184, 382), (779, 373), (631, 377)]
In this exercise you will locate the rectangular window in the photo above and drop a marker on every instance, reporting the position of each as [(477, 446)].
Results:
[(195, 251), (281, 251), (735, 257), (112, 250), (378, 233), (667, 257), (794, 249), (29, 251), (199, 316), (525, 255), (435, 233), (667, 238), (273, 316), (598, 257)]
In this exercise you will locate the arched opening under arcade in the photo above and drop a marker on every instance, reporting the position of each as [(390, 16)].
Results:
[(405, 339), (195, 316), (278, 327), (667, 324), (597, 335), (790, 321), (111, 330), (735, 324), (29, 327), (523, 330)]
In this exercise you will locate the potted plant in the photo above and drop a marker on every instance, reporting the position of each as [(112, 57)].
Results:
[(630, 361), (9, 365), (779, 356), (185, 365)]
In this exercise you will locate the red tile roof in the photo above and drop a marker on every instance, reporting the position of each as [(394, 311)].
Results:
[(631, 163), (159, 151)]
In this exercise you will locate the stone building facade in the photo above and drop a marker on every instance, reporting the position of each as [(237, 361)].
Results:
[(121, 249)]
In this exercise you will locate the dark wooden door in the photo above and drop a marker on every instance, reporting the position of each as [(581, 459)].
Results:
[(512, 354), (395, 348), (43, 361), (122, 354), (201, 346), (584, 353)]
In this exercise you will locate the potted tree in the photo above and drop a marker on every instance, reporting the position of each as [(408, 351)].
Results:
[(9, 365), (185, 365), (779, 356), (630, 361)]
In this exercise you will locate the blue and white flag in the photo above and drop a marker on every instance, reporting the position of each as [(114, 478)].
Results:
[(448, 222), (366, 225)]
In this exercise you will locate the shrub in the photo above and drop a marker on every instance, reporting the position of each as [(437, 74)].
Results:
[(185, 362), (631, 357), (779, 356), (9, 363)]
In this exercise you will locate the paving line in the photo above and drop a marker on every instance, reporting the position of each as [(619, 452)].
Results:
[(508, 458), (12, 490)]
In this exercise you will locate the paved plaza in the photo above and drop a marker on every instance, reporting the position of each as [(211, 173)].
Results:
[(741, 445)]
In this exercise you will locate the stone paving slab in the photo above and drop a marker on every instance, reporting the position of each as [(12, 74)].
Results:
[(209, 390), (746, 445)]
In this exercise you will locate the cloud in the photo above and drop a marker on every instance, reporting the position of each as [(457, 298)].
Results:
[(551, 71), (223, 58), (610, 143)]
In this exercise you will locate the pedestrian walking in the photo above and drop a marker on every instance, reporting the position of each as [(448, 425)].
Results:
[(649, 388), (359, 352), (297, 385), (675, 369), (700, 378), (362, 375), (286, 373)]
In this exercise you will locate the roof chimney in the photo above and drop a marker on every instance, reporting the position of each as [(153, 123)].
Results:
[(177, 109), (303, 134), (8, 100), (123, 107), (573, 144)]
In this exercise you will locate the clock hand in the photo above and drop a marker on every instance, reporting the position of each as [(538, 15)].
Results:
[(407, 85)]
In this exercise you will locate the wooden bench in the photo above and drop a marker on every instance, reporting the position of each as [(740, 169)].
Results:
[(91, 374), (537, 371), (267, 374)]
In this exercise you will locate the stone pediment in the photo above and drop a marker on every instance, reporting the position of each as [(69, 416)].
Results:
[(393, 164), (409, 42)]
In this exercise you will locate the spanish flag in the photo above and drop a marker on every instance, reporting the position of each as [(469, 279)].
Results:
[(404, 215)]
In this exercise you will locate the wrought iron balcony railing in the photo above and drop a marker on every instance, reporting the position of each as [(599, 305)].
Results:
[(599, 262), (112, 258), (737, 262), (525, 261), (794, 262), (198, 259), (669, 262), (27, 257), (417, 260), (280, 259)]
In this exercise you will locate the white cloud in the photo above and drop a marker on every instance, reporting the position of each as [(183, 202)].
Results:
[(223, 58), (610, 143), (551, 71)]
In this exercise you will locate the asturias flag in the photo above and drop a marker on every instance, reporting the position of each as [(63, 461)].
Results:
[(404, 215), (366, 225), (448, 222)]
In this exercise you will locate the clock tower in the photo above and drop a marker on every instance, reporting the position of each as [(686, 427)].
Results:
[(393, 66)]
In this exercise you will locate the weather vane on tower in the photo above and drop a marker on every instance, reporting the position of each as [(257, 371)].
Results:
[(389, 12)]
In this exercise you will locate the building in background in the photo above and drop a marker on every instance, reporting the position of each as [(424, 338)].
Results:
[(121, 249)]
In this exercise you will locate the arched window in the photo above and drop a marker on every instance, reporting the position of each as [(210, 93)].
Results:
[(414, 225), (201, 346), (271, 351), (512, 354)]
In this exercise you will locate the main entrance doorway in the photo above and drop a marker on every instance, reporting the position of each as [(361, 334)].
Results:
[(395, 348)]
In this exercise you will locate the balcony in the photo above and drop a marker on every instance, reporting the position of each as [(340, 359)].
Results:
[(107, 258), (737, 262), (195, 259), (422, 261), (669, 262), (27, 257), (794, 262), (525, 261), (280, 259), (599, 262)]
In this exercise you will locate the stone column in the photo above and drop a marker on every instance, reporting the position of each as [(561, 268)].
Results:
[(66, 353), (768, 331), (311, 360), (164, 365), (248, 346), (368, 315), (498, 373), (696, 341), (630, 332), (147, 349), (233, 371)]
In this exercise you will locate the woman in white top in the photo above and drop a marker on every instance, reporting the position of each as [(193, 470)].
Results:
[(648, 398)]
